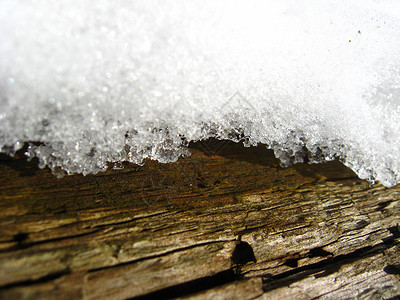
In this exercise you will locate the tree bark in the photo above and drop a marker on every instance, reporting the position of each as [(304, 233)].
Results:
[(226, 223)]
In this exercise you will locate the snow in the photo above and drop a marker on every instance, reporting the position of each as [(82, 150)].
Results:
[(92, 82)]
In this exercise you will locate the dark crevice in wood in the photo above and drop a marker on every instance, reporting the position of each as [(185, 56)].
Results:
[(383, 205), (192, 287), (292, 262), (395, 231), (318, 252), (329, 265), (392, 269), (44, 279), (20, 238), (24, 243), (243, 254)]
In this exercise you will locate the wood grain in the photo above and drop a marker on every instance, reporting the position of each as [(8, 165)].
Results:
[(226, 222)]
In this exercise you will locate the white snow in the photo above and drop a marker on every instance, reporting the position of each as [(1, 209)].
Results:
[(91, 82)]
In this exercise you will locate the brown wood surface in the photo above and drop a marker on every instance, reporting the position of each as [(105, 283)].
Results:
[(226, 223)]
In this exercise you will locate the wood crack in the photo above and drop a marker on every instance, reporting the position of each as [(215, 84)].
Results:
[(327, 266)]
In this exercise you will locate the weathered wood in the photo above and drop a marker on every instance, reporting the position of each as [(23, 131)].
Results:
[(362, 277), (239, 289), (205, 226)]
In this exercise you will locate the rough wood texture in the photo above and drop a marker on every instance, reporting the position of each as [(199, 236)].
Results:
[(225, 225)]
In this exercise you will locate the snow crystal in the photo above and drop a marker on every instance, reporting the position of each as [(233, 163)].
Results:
[(92, 82)]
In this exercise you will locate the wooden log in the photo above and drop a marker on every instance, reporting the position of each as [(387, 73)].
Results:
[(225, 222)]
